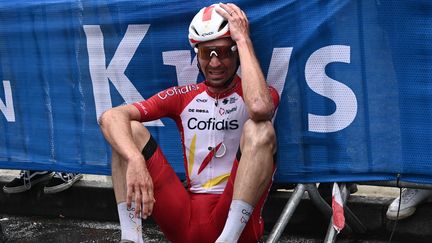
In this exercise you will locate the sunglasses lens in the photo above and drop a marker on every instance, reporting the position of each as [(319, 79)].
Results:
[(221, 52), (224, 52), (204, 52)]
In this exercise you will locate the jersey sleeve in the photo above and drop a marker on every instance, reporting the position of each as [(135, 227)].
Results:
[(163, 104), (275, 96)]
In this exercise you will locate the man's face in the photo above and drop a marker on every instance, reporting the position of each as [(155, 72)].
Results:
[(217, 60)]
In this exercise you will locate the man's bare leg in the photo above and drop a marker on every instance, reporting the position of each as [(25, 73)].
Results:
[(254, 173), (130, 225), (258, 146)]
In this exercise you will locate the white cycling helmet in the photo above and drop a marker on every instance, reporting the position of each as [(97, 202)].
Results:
[(208, 25)]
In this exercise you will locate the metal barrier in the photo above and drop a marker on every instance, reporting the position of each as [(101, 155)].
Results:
[(353, 223)]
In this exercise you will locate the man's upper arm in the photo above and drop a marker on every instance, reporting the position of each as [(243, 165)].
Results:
[(163, 104), (133, 111)]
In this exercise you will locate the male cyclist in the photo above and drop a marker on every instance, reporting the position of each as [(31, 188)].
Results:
[(227, 136)]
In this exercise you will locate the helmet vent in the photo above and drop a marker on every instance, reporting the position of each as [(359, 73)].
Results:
[(224, 23), (196, 32)]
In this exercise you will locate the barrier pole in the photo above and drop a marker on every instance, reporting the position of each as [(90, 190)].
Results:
[(331, 232), (286, 213), (353, 223), (318, 201)]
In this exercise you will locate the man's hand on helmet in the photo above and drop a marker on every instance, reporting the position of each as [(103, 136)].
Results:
[(238, 22)]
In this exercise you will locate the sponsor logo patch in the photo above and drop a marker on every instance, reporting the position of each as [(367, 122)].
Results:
[(223, 111), (211, 124), (201, 100), (177, 90)]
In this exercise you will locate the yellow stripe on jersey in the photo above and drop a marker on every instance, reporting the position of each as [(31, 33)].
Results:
[(215, 181), (191, 158)]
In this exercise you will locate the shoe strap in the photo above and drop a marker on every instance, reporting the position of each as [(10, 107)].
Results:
[(64, 176), (25, 176)]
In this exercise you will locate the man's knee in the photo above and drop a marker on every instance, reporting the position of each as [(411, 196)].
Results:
[(259, 135)]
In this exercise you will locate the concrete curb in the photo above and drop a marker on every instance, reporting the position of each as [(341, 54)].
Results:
[(94, 200), (84, 200)]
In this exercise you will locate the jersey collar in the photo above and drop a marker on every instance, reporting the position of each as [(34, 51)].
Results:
[(236, 86)]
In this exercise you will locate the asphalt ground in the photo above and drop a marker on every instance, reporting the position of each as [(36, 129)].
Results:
[(45, 229), (87, 213)]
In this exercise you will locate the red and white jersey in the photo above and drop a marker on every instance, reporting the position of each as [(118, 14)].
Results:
[(210, 126)]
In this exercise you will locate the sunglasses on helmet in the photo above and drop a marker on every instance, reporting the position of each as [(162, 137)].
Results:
[(221, 52)]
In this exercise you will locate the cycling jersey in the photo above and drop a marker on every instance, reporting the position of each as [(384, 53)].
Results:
[(210, 127)]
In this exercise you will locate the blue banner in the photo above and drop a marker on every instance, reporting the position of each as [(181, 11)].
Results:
[(355, 79)]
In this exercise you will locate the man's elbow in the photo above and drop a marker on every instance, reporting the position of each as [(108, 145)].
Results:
[(261, 112)]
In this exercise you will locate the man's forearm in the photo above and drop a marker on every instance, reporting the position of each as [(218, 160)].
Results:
[(116, 127), (255, 92)]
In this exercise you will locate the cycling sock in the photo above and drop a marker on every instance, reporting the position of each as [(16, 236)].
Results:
[(238, 217), (130, 225)]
